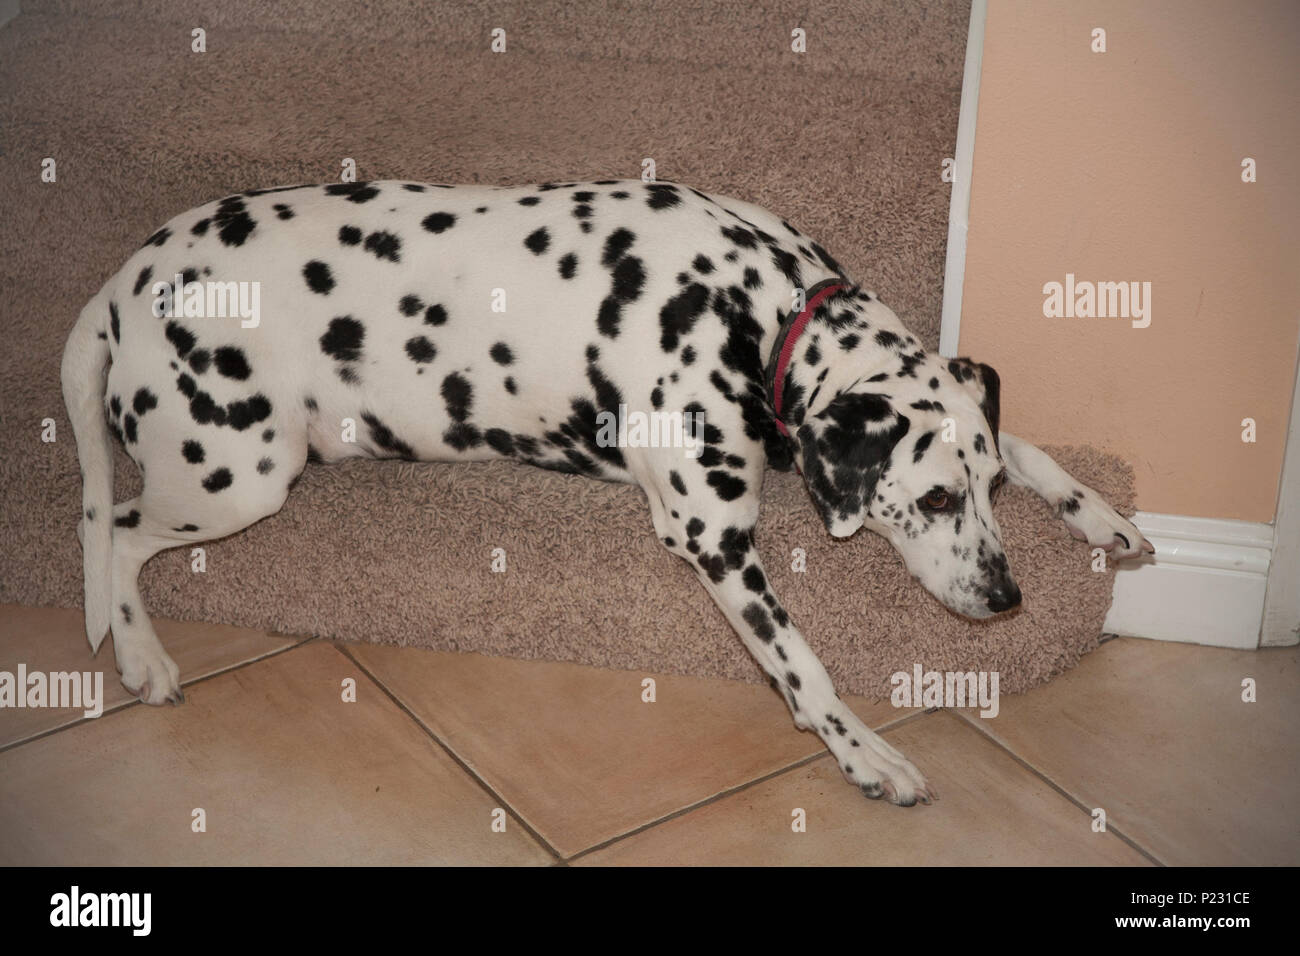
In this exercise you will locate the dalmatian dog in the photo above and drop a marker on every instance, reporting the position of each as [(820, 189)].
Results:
[(463, 323)]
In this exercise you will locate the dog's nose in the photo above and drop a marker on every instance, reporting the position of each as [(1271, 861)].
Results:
[(1004, 597)]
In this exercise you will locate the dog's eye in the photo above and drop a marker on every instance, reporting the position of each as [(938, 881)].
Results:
[(936, 500)]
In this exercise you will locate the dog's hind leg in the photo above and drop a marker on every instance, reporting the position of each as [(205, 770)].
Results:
[(146, 668), (188, 514), (717, 538)]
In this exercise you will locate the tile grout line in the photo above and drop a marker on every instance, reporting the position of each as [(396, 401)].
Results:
[(723, 794), (135, 701), (962, 718), (460, 762)]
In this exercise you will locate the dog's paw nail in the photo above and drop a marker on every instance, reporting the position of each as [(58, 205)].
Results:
[(1121, 537), (1148, 547)]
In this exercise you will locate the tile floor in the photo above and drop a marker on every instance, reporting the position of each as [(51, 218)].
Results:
[(462, 759)]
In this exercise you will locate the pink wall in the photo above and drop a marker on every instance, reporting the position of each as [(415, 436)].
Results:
[(1126, 166)]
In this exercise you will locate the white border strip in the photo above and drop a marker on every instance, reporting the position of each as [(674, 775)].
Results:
[(1206, 584), (954, 272), (1282, 604)]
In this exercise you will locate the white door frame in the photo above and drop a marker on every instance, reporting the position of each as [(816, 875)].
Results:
[(1282, 602), (954, 271)]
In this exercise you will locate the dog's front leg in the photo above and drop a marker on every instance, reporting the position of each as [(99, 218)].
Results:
[(1084, 512), (718, 540)]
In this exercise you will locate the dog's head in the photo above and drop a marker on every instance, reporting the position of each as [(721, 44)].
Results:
[(912, 454)]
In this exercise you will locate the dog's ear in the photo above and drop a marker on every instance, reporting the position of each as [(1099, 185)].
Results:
[(844, 449), (984, 384)]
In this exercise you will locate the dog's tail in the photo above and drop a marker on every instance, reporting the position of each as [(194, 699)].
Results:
[(85, 362)]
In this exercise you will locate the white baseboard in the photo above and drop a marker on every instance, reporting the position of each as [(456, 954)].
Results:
[(1205, 585)]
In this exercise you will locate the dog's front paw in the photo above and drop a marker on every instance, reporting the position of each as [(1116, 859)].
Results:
[(884, 775), (1091, 519)]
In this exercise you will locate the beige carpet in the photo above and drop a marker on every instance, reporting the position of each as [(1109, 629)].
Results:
[(846, 142)]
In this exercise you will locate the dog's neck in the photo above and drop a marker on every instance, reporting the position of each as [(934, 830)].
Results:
[(849, 321)]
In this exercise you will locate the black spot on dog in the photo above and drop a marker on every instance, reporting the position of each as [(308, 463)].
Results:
[(318, 277), (355, 192), (568, 265), (849, 342), (143, 278), (679, 314), (187, 528), (128, 520), (530, 200), (384, 245), (420, 349), (180, 337), (114, 323), (435, 315), (126, 613), (264, 466), (538, 241), (629, 277), (158, 238), (462, 436), (688, 355), (740, 236), (657, 397), (887, 339), (410, 304), (754, 579), (703, 264), (662, 196), (510, 385), (616, 246), (413, 187), (144, 401), (349, 235), (384, 438), (728, 487), (248, 412), (675, 480), (200, 228), (755, 616), (343, 339), (459, 396), (499, 440), (218, 480), (268, 436), (234, 224), (501, 354), (199, 361), (609, 316), (282, 211), (923, 443), (231, 363), (437, 222), (752, 278)]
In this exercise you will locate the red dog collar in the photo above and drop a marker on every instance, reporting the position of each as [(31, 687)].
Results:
[(786, 338)]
